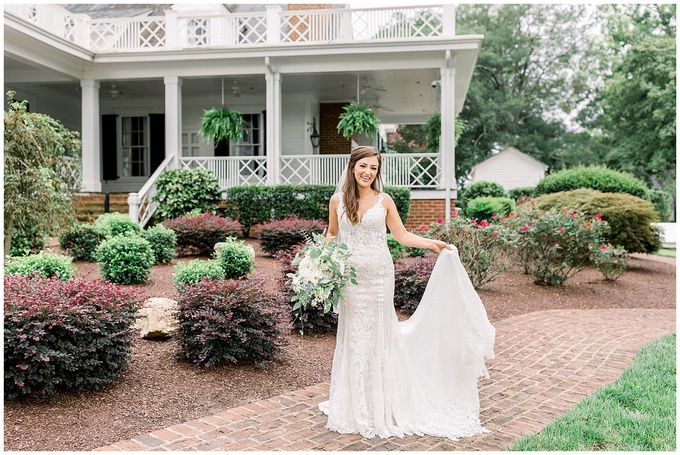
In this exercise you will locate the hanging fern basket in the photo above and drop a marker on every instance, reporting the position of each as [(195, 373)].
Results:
[(357, 119), (221, 124)]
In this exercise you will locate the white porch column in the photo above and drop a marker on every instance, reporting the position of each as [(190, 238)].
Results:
[(446, 142), (91, 136), (273, 80), (173, 118)]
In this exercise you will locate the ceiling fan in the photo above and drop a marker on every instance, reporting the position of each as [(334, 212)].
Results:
[(114, 92), (237, 91), (366, 86), (378, 106)]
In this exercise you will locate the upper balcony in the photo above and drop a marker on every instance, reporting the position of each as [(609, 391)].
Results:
[(185, 28)]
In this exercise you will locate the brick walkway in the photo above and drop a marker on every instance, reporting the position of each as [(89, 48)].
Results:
[(545, 363)]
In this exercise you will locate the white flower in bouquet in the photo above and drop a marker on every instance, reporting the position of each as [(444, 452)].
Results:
[(321, 274)]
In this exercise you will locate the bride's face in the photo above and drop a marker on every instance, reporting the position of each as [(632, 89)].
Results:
[(365, 171)]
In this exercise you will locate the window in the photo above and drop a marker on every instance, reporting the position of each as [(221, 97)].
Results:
[(135, 145), (251, 142)]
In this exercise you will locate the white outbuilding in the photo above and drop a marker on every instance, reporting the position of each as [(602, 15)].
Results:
[(510, 168)]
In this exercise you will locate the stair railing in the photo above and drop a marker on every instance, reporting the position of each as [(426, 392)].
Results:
[(142, 206)]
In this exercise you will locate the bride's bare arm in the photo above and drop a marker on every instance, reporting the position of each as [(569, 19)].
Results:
[(405, 237), (332, 218)]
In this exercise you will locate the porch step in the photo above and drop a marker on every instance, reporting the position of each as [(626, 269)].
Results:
[(89, 206)]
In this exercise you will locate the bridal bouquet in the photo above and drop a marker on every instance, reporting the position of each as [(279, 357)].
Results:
[(321, 274)]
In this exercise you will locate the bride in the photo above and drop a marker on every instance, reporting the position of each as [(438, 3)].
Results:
[(392, 378)]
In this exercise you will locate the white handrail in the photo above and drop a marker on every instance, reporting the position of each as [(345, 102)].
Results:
[(141, 204)]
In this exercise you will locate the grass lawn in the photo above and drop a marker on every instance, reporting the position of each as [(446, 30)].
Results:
[(666, 252), (635, 413)]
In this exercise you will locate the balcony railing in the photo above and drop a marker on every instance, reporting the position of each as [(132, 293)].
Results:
[(180, 30)]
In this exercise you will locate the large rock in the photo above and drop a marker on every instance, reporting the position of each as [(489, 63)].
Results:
[(157, 318)]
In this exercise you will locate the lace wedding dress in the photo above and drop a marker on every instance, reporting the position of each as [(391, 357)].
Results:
[(418, 376)]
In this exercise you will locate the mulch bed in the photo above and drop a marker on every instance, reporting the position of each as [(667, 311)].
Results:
[(159, 391)]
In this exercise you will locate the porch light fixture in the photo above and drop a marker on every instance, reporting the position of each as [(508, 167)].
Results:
[(314, 137)]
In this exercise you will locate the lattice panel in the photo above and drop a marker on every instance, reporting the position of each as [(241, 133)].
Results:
[(296, 170), (425, 172), (252, 29)]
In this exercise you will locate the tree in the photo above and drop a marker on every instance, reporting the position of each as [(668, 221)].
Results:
[(534, 69), (636, 106), (39, 183)]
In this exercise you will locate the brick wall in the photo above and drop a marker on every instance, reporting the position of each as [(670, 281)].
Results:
[(330, 141), (426, 211)]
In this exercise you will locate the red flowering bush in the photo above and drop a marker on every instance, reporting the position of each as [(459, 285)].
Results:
[(199, 234), (229, 321), (284, 234), (553, 245), (63, 335), (610, 261), (312, 318), (410, 281), (485, 249)]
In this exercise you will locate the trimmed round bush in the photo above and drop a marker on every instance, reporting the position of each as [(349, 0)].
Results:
[(312, 319), (229, 321), (46, 264), (195, 270), (284, 234), (179, 191), (62, 335), (486, 208), (410, 281), (249, 204), (116, 223), (236, 258), (82, 241), (630, 218), (199, 234), (125, 259), (481, 189), (163, 242), (598, 178)]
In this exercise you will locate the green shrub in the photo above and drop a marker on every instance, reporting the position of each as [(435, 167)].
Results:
[(82, 241), (236, 258), (46, 264), (229, 321), (311, 319), (179, 191), (610, 261), (284, 234), (259, 204), (485, 250), (249, 205), (112, 224), (397, 250), (163, 243), (199, 234), (553, 245), (63, 335), (125, 259), (630, 218), (521, 193), (482, 189), (28, 238), (662, 204), (485, 208), (194, 271), (598, 178), (410, 281)]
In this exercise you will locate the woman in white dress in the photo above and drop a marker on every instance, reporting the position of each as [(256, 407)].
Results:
[(392, 378)]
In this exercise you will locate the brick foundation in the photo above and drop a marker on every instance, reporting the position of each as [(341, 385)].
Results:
[(426, 211), (330, 141)]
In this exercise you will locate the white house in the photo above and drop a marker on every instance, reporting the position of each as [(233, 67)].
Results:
[(135, 79), (511, 168)]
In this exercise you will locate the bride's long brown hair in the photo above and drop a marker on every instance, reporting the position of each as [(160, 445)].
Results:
[(350, 189)]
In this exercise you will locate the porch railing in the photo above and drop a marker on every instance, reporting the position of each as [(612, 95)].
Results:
[(421, 171), (231, 170), (274, 26)]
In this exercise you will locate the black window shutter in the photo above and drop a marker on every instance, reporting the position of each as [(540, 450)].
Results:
[(156, 140), (109, 147)]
